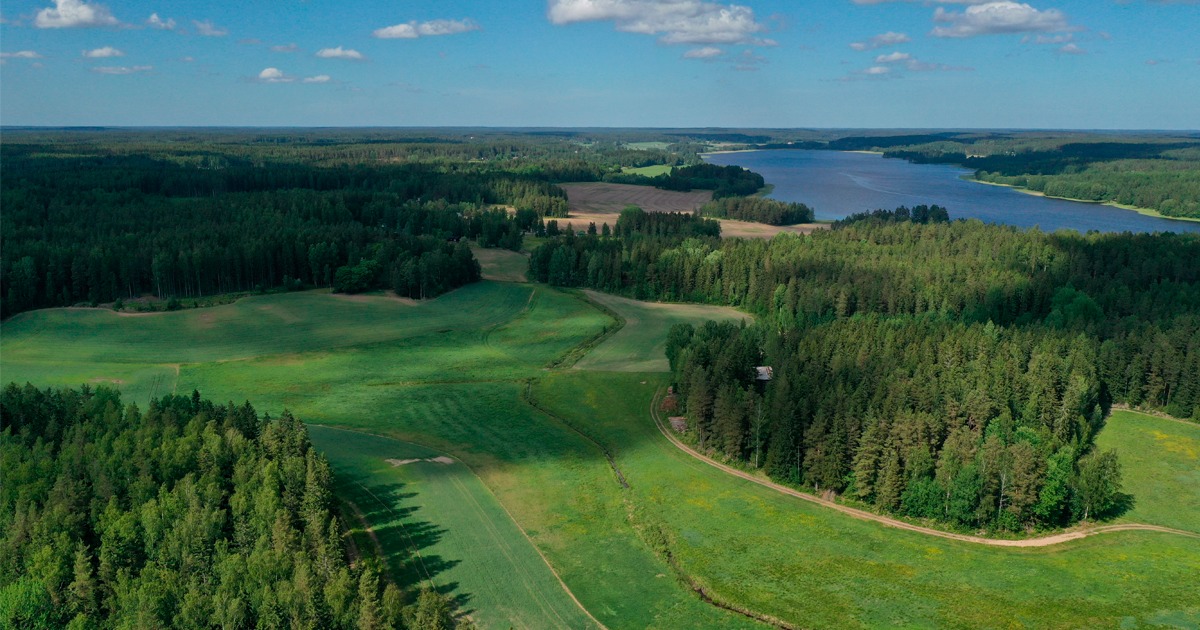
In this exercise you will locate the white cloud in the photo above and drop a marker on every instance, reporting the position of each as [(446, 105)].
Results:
[(74, 13), (879, 41), (340, 53), (208, 29), (674, 21), (288, 48), (997, 18), (893, 57), (274, 75), (1072, 49), (707, 52), (320, 78), (432, 28), (877, 70), (156, 22), (103, 53), (20, 54), (121, 69)]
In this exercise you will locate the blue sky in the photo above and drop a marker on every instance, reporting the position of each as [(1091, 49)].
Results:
[(1099, 64)]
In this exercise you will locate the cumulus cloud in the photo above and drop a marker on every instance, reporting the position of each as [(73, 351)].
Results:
[(274, 75), (673, 21), (156, 22), (320, 78), (993, 18), (121, 69), (1072, 49), (707, 52), (879, 41), (340, 53), (20, 54), (432, 28), (102, 53), (285, 48), (208, 29), (895, 57), (74, 14), (877, 70)]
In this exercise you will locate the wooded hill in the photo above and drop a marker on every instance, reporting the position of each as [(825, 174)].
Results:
[(907, 355)]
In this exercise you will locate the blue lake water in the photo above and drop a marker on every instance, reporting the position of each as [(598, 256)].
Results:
[(836, 184)]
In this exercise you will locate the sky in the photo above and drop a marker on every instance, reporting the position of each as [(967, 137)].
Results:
[(1049, 64)]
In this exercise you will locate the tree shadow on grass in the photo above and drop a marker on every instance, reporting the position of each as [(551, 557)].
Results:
[(402, 536), (1122, 504)]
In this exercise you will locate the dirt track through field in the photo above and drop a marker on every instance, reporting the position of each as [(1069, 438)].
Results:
[(1045, 541)]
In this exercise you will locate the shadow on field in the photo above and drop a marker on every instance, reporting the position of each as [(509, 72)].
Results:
[(400, 534), (1122, 503)]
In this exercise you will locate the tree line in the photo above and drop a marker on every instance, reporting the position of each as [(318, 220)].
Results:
[(759, 210), (189, 514)]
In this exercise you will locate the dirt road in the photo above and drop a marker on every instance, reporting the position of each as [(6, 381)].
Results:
[(1045, 541)]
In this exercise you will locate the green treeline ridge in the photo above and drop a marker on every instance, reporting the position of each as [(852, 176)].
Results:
[(759, 210), (908, 354), (189, 514)]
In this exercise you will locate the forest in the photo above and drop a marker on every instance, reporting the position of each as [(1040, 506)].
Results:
[(759, 210), (95, 217), (189, 514), (948, 370)]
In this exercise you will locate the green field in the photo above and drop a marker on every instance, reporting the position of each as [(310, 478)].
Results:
[(640, 345), (457, 375), (499, 578), (649, 171), (501, 265), (1161, 460), (644, 146)]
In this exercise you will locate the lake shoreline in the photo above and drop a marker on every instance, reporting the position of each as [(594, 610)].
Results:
[(839, 183), (1149, 212)]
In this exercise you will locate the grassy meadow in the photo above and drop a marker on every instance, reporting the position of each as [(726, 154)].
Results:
[(649, 171), (456, 375), (641, 345), (1161, 459)]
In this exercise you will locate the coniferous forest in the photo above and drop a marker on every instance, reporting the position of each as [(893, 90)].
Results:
[(950, 370), (187, 514)]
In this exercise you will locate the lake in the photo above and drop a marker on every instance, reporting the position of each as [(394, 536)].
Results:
[(836, 184)]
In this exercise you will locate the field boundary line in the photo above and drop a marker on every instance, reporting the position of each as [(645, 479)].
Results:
[(1045, 541), (498, 502), (527, 396), (577, 353), (1156, 414)]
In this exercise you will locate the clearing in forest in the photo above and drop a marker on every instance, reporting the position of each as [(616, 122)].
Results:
[(602, 203), (613, 198), (501, 265), (640, 345)]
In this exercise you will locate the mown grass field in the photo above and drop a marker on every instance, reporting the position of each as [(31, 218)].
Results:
[(1161, 465), (505, 582), (640, 346), (501, 265), (455, 374)]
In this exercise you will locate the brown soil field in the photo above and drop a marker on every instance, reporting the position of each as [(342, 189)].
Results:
[(602, 203), (612, 198)]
